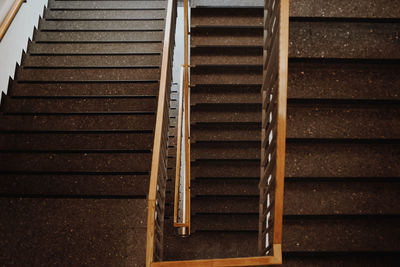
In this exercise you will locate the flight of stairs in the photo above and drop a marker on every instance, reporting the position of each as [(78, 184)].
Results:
[(342, 204), (76, 136), (226, 69)]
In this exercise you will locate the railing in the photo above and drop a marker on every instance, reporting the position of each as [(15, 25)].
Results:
[(183, 222), (158, 176), (10, 17), (274, 98)]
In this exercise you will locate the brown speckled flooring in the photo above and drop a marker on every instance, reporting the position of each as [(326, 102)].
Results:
[(342, 167), (76, 135)]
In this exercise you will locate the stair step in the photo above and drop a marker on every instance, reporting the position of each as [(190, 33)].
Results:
[(344, 80), (224, 95), (224, 187), (212, 245), (227, 3), (75, 162), (318, 39), (342, 159), (59, 141), (331, 259), (225, 150), (214, 36), (365, 120), (226, 76), (100, 36), (344, 9), (225, 168), (226, 56), (341, 196), (224, 222), (93, 74), (66, 89), (67, 105), (74, 122), (243, 17), (93, 48), (79, 231), (341, 233), (99, 25), (103, 14), (225, 132), (107, 5), (75, 184), (225, 205), (92, 61), (225, 113)]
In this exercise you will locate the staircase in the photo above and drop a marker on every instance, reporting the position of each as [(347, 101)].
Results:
[(76, 136), (342, 166), (226, 76)]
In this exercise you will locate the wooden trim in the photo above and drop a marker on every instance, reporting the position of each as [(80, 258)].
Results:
[(10, 17), (248, 261), (158, 136), (281, 124), (187, 110)]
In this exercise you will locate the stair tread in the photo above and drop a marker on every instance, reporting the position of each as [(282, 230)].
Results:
[(73, 122), (49, 162), (344, 40), (93, 184), (362, 233), (99, 36), (54, 141), (228, 132), (227, 17), (345, 9), (343, 80), (93, 74), (104, 14), (92, 61), (226, 36), (99, 5), (98, 25), (225, 150), (343, 121), (211, 245), (84, 89), (342, 160), (94, 48), (80, 231), (65, 105)]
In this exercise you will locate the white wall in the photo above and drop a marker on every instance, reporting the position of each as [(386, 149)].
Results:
[(16, 38), (5, 6)]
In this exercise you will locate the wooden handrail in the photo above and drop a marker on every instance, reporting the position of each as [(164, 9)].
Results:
[(10, 17), (246, 261), (158, 167), (187, 114), (281, 122), (273, 136)]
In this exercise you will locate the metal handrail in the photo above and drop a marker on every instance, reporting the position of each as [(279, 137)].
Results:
[(10, 17), (158, 175), (185, 223)]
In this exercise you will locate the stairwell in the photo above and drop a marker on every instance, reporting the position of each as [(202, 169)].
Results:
[(76, 136), (341, 191)]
